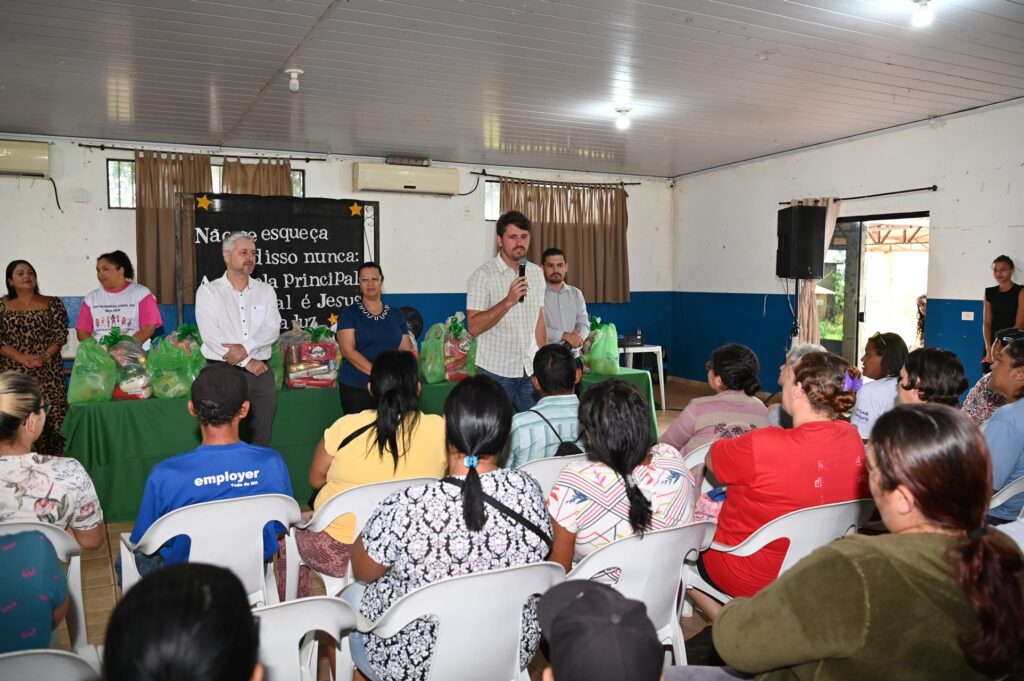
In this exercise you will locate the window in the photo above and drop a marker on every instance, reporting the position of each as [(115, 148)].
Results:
[(120, 183), (298, 181), (492, 200)]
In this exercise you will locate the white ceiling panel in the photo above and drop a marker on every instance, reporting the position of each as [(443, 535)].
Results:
[(502, 82)]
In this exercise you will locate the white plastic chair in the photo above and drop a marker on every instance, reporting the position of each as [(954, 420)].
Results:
[(697, 456), (359, 501), (46, 664), (69, 552), (228, 533), (288, 641), (1009, 491), (651, 569), (806, 529), (465, 606), (546, 471)]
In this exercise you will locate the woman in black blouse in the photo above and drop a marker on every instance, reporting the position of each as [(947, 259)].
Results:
[(1004, 304)]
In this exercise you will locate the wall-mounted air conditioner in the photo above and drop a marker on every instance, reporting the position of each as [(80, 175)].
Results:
[(24, 158), (382, 177)]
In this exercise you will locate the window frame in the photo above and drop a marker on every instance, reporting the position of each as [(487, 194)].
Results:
[(119, 161)]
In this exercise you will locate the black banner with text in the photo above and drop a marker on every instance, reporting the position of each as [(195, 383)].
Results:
[(309, 250)]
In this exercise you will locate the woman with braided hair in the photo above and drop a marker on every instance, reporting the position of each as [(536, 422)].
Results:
[(770, 472), (481, 517), (626, 486)]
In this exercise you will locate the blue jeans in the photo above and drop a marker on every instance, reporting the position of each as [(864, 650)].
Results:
[(520, 390)]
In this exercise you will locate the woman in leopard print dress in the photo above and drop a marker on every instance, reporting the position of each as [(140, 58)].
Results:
[(33, 328)]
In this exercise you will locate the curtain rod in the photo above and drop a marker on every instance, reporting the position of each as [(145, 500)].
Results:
[(933, 188), (103, 147), (484, 173)]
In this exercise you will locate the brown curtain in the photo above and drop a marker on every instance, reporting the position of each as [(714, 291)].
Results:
[(158, 177), (268, 177), (588, 222), (807, 306)]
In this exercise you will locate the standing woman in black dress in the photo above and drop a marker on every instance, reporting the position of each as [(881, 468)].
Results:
[(1004, 305)]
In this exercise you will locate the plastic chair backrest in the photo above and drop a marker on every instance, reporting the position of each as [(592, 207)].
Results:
[(359, 501), (697, 455), (68, 551), (467, 605), (651, 566), (1009, 491), (546, 471), (46, 664), (284, 625), (808, 529), (228, 533)]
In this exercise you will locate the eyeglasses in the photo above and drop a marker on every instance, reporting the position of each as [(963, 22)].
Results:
[(44, 406), (708, 366), (878, 338), (367, 280)]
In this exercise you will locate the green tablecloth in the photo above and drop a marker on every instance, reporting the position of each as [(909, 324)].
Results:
[(119, 442)]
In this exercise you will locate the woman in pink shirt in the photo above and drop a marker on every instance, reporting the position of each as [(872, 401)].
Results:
[(731, 411), (118, 302)]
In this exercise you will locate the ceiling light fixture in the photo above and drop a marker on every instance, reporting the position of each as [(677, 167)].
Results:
[(293, 83), (923, 14), (622, 121)]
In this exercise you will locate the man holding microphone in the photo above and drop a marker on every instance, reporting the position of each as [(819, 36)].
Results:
[(505, 311)]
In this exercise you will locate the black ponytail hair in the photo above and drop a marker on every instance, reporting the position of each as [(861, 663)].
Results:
[(477, 421), (737, 366), (394, 382), (617, 423), (120, 260)]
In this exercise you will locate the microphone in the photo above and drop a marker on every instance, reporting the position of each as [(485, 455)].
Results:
[(522, 273)]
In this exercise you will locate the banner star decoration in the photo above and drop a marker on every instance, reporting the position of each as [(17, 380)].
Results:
[(203, 202), (356, 209), (333, 319)]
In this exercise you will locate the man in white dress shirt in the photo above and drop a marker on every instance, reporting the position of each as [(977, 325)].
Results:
[(238, 319), (505, 311)]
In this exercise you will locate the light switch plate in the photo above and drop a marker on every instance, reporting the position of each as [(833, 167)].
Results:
[(967, 316)]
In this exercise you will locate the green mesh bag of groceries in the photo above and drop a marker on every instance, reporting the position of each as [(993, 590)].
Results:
[(432, 355), (94, 374), (604, 352)]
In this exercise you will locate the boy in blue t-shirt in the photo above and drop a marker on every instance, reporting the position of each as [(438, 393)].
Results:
[(222, 467)]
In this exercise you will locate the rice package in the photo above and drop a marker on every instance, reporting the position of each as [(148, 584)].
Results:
[(310, 357), (93, 375), (459, 349), (132, 377)]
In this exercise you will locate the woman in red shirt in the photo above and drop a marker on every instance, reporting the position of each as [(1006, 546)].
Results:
[(773, 471)]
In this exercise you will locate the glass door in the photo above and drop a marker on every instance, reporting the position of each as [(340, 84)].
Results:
[(839, 291)]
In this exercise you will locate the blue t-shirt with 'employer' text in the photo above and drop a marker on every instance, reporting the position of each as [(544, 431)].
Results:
[(210, 473)]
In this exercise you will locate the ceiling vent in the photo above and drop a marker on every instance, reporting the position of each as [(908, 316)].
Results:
[(382, 177), (30, 159)]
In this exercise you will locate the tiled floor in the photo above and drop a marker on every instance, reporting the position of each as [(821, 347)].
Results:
[(101, 594)]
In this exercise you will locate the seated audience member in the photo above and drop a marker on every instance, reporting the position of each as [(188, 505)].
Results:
[(394, 441), (430, 532), (625, 486), (938, 598), (184, 622), (33, 487), (770, 472), (884, 356), (219, 403), (777, 416), (1004, 432), (539, 432), (594, 633), (982, 401), (731, 411), (33, 591), (932, 375)]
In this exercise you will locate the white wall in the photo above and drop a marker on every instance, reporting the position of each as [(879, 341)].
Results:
[(725, 234), (428, 244)]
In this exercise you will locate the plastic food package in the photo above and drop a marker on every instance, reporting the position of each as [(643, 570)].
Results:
[(93, 375), (432, 367), (132, 376), (310, 357), (276, 363), (459, 349), (604, 350), (175, 361)]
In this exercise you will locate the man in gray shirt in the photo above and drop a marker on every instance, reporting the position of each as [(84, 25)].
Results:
[(565, 310)]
